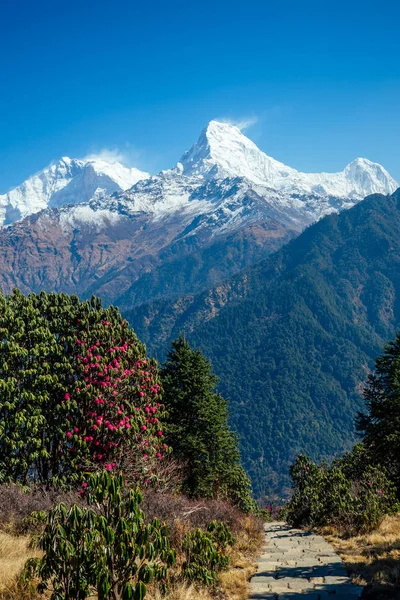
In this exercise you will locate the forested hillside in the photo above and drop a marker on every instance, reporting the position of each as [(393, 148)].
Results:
[(294, 338)]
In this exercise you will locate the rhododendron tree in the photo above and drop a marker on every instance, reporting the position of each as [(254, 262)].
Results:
[(77, 390)]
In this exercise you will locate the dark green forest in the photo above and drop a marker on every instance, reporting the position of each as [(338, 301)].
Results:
[(294, 338)]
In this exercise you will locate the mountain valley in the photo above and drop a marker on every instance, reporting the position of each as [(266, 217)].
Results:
[(286, 280)]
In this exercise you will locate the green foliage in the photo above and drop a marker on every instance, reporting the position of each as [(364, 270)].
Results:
[(206, 553), (76, 389), (107, 547), (380, 425), (353, 501), (69, 560), (198, 429), (292, 337)]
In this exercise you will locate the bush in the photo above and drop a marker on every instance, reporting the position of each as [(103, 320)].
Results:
[(327, 495), (206, 553), (108, 546), (182, 514), (18, 503)]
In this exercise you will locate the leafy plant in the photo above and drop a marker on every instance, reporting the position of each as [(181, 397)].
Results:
[(69, 560), (206, 553), (107, 547)]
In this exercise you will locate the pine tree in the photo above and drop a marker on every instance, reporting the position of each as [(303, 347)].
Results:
[(380, 426), (198, 430)]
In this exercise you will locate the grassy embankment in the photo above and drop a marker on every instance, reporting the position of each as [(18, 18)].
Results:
[(373, 559)]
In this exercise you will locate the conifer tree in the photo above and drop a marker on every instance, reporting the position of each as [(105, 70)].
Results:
[(198, 429), (380, 426)]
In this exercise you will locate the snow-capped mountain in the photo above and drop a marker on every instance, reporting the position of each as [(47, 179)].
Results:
[(223, 151), (68, 181), (88, 226)]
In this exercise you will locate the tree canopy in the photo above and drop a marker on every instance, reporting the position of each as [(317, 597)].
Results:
[(76, 388)]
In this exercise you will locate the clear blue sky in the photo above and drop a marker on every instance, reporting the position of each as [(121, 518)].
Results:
[(322, 78)]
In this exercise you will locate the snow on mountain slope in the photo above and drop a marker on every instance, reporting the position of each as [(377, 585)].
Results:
[(223, 151), (68, 181), (195, 186)]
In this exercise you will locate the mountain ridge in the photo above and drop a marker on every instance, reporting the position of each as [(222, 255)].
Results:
[(114, 244), (221, 152), (294, 337)]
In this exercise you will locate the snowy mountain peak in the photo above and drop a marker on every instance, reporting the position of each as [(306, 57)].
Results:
[(369, 177), (222, 150), (67, 181)]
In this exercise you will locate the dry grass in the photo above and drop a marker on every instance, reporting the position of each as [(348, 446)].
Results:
[(234, 583), (14, 552), (180, 591), (373, 559)]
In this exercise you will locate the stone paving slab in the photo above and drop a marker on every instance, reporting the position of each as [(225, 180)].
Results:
[(299, 565)]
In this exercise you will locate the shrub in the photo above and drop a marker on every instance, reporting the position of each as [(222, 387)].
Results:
[(206, 553), (18, 503), (182, 514), (326, 495), (107, 546)]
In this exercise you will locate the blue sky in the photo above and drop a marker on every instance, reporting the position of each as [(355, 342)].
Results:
[(320, 79)]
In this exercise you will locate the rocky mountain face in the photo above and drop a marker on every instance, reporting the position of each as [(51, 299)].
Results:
[(87, 226), (294, 337)]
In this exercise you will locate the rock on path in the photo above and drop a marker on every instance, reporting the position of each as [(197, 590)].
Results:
[(295, 563)]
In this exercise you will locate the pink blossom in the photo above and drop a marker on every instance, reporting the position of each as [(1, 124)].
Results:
[(67, 396), (69, 434), (143, 428)]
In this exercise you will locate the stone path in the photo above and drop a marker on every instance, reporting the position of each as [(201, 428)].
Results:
[(299, 563)]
